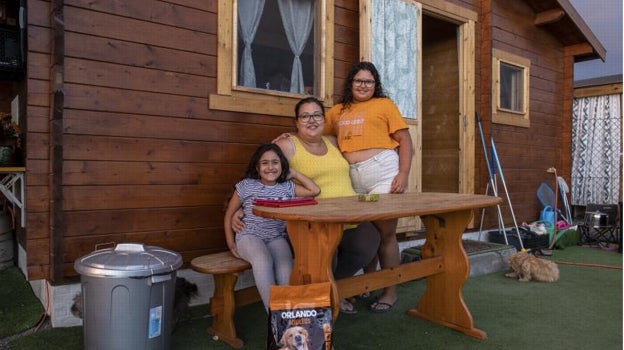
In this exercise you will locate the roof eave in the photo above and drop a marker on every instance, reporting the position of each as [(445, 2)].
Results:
[(561, 18), (598, 48)]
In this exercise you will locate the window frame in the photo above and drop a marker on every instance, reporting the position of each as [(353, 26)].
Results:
[(503, 115), (230, 97)]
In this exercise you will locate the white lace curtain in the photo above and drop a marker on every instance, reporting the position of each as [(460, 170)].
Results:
[(298, 19), (394, 51), (596, 150), (249, 14)]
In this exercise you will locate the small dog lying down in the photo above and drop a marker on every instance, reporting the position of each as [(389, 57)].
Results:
[(527, 267)]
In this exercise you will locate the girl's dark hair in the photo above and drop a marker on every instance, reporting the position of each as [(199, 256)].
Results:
[(307, 100), (347, 94), (252, 171)]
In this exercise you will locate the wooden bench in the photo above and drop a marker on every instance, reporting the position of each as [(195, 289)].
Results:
[(225, 268)]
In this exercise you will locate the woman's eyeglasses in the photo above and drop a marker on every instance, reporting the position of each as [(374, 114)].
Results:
[(366, 83), (317, 117)]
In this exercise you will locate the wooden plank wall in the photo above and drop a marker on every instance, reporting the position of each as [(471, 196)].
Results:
[(144, 158), (36, 237), (526, 153), (346, 42)]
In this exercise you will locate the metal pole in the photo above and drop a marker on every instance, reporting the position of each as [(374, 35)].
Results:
[(492, 182), (500, 170)]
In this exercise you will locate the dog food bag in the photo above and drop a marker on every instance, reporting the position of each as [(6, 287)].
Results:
[(300, 317)]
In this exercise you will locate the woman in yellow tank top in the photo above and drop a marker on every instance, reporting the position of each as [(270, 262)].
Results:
[(319, 158)]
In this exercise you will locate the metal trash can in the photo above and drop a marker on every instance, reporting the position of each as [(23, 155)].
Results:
[(128, 295)]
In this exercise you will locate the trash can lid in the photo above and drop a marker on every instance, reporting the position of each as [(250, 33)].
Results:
[(128, 260)]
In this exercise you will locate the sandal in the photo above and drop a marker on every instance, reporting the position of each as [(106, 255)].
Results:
[(380, 307), (347, 308)]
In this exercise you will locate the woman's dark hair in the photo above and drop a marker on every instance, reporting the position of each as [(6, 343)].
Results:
[(347, 94), (307, 100), (252, 171)]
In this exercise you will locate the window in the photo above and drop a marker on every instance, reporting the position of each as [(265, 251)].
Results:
[(510, 89), (271, 57), (272, 53)]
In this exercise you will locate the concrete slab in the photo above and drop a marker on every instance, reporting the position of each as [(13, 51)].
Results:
[(485, 257)]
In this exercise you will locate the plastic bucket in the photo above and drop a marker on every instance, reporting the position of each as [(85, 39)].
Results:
[(128, 295)]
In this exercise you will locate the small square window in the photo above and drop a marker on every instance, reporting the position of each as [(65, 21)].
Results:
[(510, 89)]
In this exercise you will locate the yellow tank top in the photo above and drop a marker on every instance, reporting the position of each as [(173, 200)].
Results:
[(330, 171)]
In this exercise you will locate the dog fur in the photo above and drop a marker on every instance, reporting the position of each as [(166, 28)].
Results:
[(184, 292), (295, 338), (527, 267)]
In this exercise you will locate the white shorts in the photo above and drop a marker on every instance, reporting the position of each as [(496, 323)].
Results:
[(375, 174)]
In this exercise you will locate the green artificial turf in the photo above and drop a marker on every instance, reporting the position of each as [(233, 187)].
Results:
[(51, 339), (19, 307), (583, 310)]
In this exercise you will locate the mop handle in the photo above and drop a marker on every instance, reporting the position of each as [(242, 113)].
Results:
[(500, 170), (485, 152)]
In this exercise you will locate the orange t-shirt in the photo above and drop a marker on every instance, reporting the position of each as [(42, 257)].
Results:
[(365, 125)]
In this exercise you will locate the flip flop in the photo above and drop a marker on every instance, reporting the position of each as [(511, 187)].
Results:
[(380, 307), (347, 308)]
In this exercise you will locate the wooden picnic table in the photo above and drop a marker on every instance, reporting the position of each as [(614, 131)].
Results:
[(316, 230)]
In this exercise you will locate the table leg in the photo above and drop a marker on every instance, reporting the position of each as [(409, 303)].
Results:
[(442, 301), (314, 245)]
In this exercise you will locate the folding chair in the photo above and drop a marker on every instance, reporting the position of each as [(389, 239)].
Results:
[(601, 224)]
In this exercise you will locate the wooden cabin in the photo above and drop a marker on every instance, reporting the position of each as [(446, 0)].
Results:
[(137, 120)]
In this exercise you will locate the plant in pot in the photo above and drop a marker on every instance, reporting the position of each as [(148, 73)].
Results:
[(10, 140)]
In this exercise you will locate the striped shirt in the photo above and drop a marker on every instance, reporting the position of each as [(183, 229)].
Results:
[(250, 189)]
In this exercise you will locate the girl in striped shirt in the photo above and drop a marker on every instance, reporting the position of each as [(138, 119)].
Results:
[(264, 242)]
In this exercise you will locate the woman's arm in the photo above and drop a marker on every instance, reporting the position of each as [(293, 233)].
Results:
[(283, 136), (286, 145), (307, 187), (399, 183), (332, 140), (233, 206)]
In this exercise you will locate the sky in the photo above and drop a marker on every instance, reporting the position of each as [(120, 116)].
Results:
[(604, 18)]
